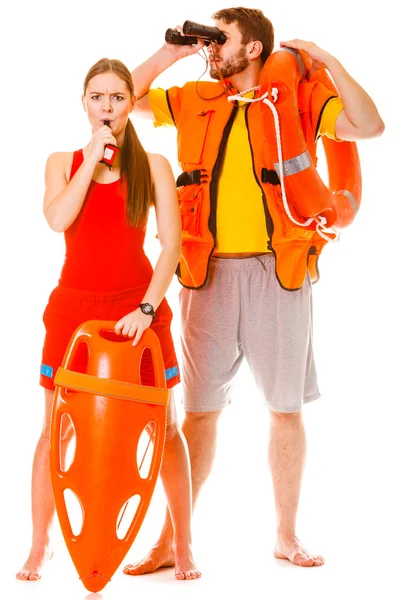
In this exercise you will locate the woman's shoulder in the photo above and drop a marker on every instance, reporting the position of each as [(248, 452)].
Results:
[(157, 159), (158, 162), (61, 161)]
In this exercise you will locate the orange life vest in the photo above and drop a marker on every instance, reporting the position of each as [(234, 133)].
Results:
[(204, 118)]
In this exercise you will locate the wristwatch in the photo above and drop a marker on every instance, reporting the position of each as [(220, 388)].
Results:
[(147, 309)]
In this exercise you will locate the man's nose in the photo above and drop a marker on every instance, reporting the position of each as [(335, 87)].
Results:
[(212, 48)]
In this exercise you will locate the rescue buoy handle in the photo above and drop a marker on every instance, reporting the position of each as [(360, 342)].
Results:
[(110, 387), (91, 330)]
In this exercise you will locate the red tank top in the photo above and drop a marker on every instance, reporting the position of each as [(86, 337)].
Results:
[(102, 252)]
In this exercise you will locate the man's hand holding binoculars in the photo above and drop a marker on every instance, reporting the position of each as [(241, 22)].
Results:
[(180, 50)]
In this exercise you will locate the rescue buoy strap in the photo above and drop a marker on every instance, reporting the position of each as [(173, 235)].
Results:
[(94, 574), (350, 197), (99, 386), (299, 163)]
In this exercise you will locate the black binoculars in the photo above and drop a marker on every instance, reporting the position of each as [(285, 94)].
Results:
[(194, 32)]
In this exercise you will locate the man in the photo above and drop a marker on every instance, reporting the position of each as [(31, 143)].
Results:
[(233, 302)]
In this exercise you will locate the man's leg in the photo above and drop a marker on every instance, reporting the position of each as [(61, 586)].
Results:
[(276, 334), (200, 430), (287, 453)]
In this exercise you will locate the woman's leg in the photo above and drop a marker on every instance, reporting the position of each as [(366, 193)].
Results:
[(42, 499), (175, 476)]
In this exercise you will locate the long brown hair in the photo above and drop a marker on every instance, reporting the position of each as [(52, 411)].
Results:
[(252, 24), (135, 168)]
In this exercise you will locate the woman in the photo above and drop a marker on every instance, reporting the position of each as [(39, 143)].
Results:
[(103, 213)]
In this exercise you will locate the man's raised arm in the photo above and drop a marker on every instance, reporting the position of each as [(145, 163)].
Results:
[(144, 75)]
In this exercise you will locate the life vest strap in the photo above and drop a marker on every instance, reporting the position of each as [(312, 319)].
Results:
[(188, 178), (195, 177), (350, 197)]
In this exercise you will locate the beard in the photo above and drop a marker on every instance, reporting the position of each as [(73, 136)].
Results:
[(233, 65)]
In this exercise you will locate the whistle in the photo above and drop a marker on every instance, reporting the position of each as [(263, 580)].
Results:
[(110, 151)]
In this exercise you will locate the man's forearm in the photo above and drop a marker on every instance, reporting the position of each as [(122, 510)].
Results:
[(144, 75)]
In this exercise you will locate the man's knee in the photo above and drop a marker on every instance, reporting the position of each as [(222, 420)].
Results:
[(280, 418)]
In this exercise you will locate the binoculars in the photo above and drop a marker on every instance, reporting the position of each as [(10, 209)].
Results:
[(194, 32)]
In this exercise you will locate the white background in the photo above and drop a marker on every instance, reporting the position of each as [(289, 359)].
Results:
[(350, 496)]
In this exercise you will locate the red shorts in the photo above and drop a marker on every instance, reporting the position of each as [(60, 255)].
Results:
[(68, 308)]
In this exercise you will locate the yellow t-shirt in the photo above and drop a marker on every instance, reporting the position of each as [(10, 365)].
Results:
[(241, 225)]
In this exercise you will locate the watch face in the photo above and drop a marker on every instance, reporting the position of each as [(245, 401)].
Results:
[(147, 308)]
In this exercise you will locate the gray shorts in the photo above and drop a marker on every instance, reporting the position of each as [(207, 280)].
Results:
[(242, 311)]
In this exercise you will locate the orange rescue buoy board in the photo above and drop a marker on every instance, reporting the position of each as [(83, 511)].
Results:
[(109, 410)]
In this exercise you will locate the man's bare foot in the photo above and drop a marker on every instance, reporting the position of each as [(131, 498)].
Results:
[(33, 568), (162, 557), (290, 548)]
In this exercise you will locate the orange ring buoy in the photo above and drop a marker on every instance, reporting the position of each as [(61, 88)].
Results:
[(307, 195)]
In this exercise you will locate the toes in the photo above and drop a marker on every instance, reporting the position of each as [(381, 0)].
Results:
[(192, 574), (127, 568), (139, 569), (180, 575), (132, 572), (28, 576), (303, 560), (306, 562), (198, 574)]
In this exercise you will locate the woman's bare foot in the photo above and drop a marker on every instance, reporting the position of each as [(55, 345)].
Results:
[(160, 557), (33, 568), (163, 556), (291, 549), (185, 567)]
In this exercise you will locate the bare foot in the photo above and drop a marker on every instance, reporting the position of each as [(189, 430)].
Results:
[(290, 548), (185, 567), (33, 568), (162, 557)]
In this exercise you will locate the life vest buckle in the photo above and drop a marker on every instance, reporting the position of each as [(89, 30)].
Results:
[(269, 176), (195, 177)]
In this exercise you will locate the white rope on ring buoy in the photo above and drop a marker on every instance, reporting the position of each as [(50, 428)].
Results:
[(320, 221)]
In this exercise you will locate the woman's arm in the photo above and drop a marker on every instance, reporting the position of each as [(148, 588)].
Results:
[(63, 200), (169, 233), (168, 227)]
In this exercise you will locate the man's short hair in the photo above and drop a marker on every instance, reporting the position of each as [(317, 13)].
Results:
[(252, 24)]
